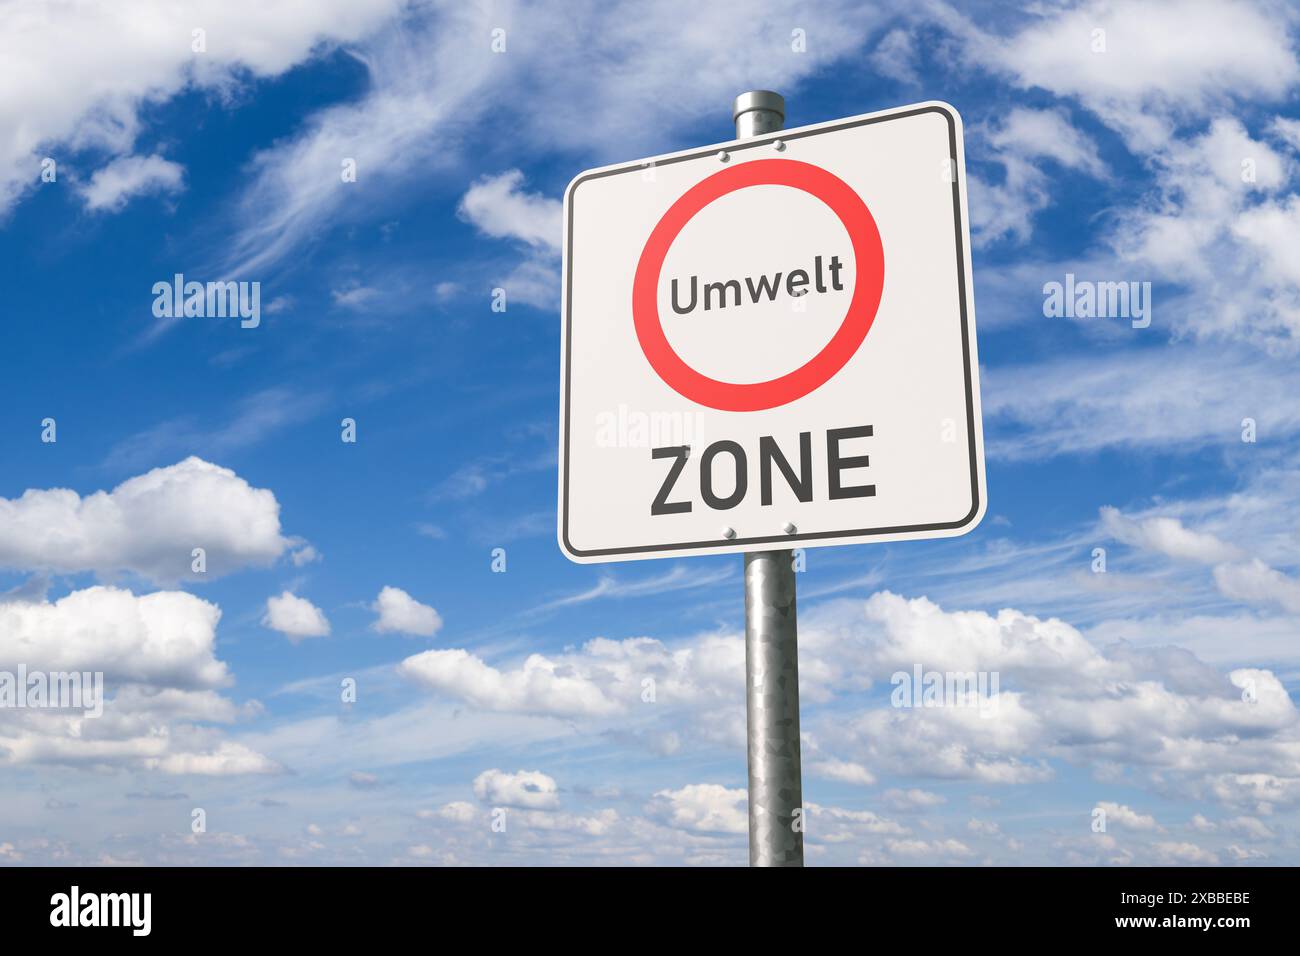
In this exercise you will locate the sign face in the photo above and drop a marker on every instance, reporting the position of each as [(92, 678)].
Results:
[(770, 343)]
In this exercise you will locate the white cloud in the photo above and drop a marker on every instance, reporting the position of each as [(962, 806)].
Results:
[(295, 617), (1046, 134), (1161, 58), (161, 676), (539, 686), (1211, 228), (1122, 815), (499, 207), (79, 74), (228, 758), (927, 849), (913, 799), (895, 57), (601, 680), (1288, 130), (400, 613), (1170, 77), (1254, 582), (166, 637), (1269, 229), (529, 789), (590, 826), (1168, 536), (1249, 827), (1263, 792), (1017, 140), (1245, 853), (1182, 852), (432, 80), (837, 824), (128, 176), (304, 554), (703, 807), (1173, 398), (844, 771), (460, 812), (149, 524), (355, 296), (1153, 709)]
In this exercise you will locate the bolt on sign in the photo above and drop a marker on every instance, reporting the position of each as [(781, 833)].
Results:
[(770, 343)]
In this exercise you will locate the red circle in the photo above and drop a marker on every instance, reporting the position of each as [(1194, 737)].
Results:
[(869, 259)]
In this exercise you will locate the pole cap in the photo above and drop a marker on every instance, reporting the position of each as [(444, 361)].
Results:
[(758, 100)]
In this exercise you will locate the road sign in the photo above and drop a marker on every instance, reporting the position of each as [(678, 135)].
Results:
[(770, 343)]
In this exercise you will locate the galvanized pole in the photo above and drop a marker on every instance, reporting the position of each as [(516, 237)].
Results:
[(771, 643)]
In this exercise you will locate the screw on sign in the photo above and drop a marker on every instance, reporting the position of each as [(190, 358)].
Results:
[(805, 305)]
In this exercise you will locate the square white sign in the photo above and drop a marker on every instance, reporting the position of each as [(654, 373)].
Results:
[(770, 343)]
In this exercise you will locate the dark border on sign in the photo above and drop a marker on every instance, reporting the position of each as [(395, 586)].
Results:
[(965, 348)]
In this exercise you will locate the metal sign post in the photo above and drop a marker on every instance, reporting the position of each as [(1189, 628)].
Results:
[(771, 643), (752, 370)]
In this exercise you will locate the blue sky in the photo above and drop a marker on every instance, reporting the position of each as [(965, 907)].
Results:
[(1164, 149)]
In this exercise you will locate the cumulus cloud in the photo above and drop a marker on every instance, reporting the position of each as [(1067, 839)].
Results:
[(163, 638), (530, 789), (1121, 815), (128, 176), (538, 687), (459, 811), (400, 613), (1157, 710), (295, 617), (161, 682), (1211, 230), (226, 759), (1214, 228), (499, 207), (1180, 852), (603, 679), (149, 525), (705, 807), (532, 801)]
